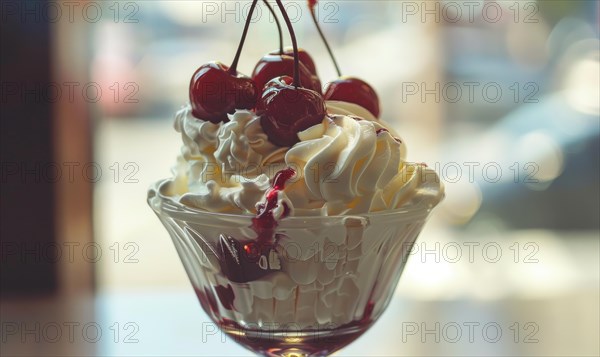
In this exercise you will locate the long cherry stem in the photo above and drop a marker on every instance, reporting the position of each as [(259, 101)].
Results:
[(297, 82), (278, 25), (314, 17), (233, 68)]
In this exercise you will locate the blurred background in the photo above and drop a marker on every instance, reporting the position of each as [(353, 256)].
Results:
[(501, 98)]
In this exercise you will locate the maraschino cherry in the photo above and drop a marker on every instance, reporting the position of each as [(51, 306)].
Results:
[(285, 106), (305, 58), (347, 89), (275, 65), (353, 90), (217, 90), (281, 63)]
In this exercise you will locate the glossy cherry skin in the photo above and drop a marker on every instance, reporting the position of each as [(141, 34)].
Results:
[(271, 66), (303, 56), (353, 90), (216, 92), (286, 110)]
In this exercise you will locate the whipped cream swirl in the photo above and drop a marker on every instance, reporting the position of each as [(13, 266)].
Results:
[(349, 163)]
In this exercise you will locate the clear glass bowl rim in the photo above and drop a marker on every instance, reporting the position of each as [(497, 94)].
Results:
[(419, 206)]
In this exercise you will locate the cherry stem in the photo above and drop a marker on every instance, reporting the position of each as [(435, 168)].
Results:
[(233, 67), (314, 17), (294, 44), (278, 25)]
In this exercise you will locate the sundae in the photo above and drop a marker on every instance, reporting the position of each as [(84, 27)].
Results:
[(293, 208)]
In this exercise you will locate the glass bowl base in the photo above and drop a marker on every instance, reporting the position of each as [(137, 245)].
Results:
[(295, 343)]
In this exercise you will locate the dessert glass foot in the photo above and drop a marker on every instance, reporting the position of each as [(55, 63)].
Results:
[(315, 287)]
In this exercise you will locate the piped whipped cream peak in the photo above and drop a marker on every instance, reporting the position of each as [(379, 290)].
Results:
[(349, 163)]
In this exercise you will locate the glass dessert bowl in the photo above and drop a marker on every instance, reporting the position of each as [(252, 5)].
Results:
[(293, 209), (318, 286)]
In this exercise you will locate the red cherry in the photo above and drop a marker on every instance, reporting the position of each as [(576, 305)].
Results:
[(271, 66), (303, 55), (353, 90), (347, 89), (286, 110), (285, 107), (304, 58), (216, 92)]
